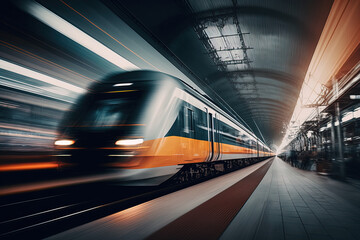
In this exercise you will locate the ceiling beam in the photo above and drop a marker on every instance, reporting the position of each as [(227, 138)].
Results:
[(236, 61), (219, 13)]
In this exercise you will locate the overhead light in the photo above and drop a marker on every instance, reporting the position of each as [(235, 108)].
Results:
[(64, 142), (75, 34), (309, 133), (347, 117), (129, 142), (122, 91), (354, 97), (38, 76), (122, 84), (357, 112)]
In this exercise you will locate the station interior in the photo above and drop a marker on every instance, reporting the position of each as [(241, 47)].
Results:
[(182, 119)]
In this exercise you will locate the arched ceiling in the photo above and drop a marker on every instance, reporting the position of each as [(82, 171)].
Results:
[(251, 55)]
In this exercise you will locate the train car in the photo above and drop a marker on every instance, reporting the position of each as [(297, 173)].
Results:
[(146, 125)]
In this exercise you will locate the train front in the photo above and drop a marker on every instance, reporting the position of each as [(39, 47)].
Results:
[(107, 129)]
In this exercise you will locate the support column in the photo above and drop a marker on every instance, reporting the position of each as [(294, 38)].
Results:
[(340, 138), (333, 143), (318, 133), (340, 156)]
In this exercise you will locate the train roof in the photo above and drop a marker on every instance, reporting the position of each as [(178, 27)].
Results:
[(139, 75)]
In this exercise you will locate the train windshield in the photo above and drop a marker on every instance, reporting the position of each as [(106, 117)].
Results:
[(109, 112), (110, 109)]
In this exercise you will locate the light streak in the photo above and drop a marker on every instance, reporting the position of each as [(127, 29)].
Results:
[(338, 40), (80, 37), (24, 135), (38, 76), (64, 142), (129, 142), (14, 127), (110, 35), (41, 59), (28, 166), (42, 91), (122, 84)]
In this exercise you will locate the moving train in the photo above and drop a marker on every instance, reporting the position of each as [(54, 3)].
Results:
[(148, 125)]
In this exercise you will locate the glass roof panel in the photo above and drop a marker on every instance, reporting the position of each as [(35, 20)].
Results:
[(224, 55), (229, 29), (218, 43), (212, 31)]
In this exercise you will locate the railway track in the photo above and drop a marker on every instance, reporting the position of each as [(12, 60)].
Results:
[(42, 213), (45, 213)]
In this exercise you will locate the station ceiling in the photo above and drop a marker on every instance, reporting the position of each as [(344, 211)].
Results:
[(250, 55), (269, 63)]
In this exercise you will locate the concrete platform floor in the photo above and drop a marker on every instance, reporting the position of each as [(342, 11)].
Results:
[(288, 203), (291, 203)]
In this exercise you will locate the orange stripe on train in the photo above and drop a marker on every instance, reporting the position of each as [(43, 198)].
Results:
[(176, 150)]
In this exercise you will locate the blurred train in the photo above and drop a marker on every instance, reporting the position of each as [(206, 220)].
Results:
[(147, 125)]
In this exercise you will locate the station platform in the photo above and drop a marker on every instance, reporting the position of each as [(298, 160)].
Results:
[(268, 200)]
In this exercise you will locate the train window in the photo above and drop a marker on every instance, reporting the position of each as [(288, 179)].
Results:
[(204, 119), (186, 121), (201, 118), (189, 120), (226, 129)]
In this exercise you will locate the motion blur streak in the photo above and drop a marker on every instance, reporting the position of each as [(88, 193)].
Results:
[(75, 34), (109, 35), (41, 59), (24, 135), (28, 166), (34, 100), (15, 84), (14, 127), (56, 183), (38, 76)]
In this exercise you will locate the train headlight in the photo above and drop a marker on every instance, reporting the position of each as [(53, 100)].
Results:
[(64, 142), (129, 142)]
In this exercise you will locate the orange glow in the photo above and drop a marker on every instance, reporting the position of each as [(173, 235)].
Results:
[(175, 150), (339, 39), (122, 91), (28, 166), (56, 183)]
